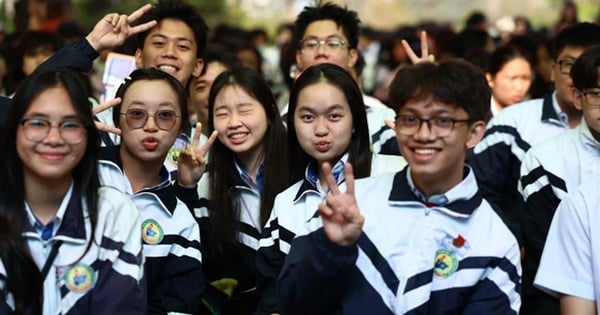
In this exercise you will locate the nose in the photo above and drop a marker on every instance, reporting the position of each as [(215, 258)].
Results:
[(170, 50), (234, 121), (53, 136), (425, 132), (150, 124), (321, 128)]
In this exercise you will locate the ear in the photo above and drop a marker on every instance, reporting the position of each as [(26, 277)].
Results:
[(490, 79), (552, 75), (577, 98), (139, 63), (198, 67), (352, 58), (476, 132), (299, 65)]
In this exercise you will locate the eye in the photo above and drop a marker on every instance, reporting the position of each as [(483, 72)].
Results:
[(408, 120), (36, 123), (306, 117), (310, 43), (136, 113), (166, 115), (158, 43), (334, 43), (443, 121), (67, 124), (335, 116), (183, 47)]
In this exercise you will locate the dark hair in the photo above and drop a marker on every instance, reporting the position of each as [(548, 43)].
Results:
[(346, 19), (505, 53), (583, 35), (36, 42), (20, 270), (222, 170), (216, 52), (177, 10), (585, 70), (12, 185), (454, 82), (359, 148), (152, 74)]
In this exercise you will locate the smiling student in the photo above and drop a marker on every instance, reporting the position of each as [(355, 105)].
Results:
[(84, 240), (247, 169), (327, 123), (420, 241), (151, 115)]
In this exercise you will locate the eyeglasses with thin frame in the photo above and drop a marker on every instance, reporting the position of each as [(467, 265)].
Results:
[(408, 125), (312, 44), (137, 118), (565, 66), (37, 129), (592, 98)]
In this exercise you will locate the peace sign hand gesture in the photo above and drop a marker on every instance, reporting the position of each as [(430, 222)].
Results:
[(192, 162), (425, 56), (342, 220), (113, 29)]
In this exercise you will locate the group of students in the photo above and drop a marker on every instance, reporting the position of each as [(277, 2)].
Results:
[(257, 218)]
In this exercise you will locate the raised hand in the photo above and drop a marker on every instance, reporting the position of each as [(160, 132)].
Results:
[(342, 220), (425, 56), (113, 29), (102, 107), (192, 162)]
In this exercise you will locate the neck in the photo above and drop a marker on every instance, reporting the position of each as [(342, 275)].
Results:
[(141, 174), (573, 113), (251, 163), (44, 197)]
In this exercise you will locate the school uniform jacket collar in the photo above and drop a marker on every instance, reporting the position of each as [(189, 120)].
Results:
[(463, 199), (72, 225), (163, 191)]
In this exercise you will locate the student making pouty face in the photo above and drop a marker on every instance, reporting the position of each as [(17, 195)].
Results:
[(149, 120), (323, 122)]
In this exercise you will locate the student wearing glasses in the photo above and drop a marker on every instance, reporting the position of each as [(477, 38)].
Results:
[(76, 246), (151, 115), (496, 160), (328, 33), (554, 167), (419, 241)]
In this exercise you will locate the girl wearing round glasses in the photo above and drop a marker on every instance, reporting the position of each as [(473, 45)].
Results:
[(152, 114), (76, 245), (327, 123)]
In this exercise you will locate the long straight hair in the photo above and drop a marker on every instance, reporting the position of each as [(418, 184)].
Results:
[(359, 149), (222, 170), (12, 185)]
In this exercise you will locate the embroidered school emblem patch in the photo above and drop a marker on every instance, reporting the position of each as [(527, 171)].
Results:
[(445, 263), (79, 278), (152, 233)]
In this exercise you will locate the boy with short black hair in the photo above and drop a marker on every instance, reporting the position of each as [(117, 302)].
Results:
[(424, 241)]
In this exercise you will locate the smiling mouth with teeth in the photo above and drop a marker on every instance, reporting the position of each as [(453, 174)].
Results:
[(424, 151), (237, 135), (166, 68)]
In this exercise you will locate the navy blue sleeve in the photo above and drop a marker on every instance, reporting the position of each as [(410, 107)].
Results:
[(78, 56), (269, 260), (314, 277)]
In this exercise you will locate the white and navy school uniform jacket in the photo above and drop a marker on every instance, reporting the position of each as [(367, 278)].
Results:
[(549, 170), (496, 159), (171, 239), (236, 262), (104, 279), (571, 262), (383, 138), (295, 213), (413, 257)]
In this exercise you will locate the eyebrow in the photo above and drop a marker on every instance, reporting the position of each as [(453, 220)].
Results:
[(140, 103), (328, 109), (44, 115), (163, 36)]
